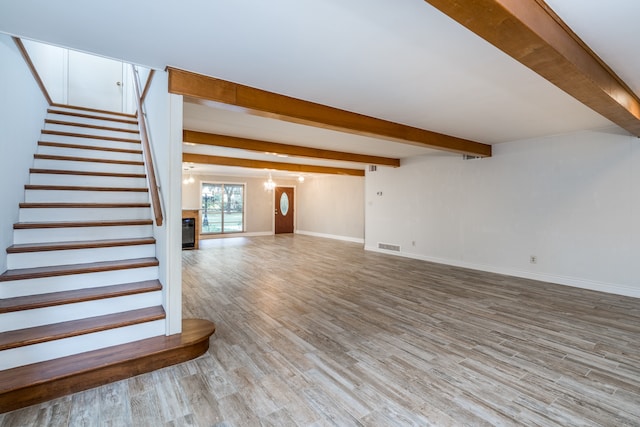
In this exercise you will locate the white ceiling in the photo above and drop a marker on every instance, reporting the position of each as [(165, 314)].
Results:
[(224, 122), (399, 60)]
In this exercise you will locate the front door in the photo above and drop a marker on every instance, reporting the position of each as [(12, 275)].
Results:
[(284, 210)]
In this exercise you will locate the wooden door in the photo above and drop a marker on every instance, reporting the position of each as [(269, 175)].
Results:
[(284, 210)]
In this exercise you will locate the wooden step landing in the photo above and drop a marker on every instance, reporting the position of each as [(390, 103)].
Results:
[(84, 125), (92, 116), (65, 270), (39, 382), (74, 328), (72, 224), (87, 147), (83, 135), (88, 244), (30, 302)]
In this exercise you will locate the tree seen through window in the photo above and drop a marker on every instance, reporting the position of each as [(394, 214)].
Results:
[(222, 208)]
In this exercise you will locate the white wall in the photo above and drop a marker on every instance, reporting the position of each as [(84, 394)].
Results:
[(572, 200), (22, 112), (332, 206), (325, 205), (52, 65), (164, 118), (78, 78)]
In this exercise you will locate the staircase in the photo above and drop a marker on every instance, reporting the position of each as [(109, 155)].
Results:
[(81, 293)]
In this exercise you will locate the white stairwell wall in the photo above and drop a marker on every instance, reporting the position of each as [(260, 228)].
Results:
[(164, 119), (22, 111)]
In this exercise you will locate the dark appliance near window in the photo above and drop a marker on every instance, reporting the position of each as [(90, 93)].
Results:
[(188, 233)]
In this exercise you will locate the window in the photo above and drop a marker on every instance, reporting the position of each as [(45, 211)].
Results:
[(222, 208)]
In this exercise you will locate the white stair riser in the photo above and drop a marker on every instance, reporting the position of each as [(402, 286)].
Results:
[(93, 154), (67, 312), (18, 288), (91, 142), (78, 256), (89, 180), (105, 115), (92, 131), (81, 196), (80, 344), (87, 121), (75, 165), (70, 234), (82, 214)]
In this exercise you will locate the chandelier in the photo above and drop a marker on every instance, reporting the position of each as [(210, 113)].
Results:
[(269, 184)]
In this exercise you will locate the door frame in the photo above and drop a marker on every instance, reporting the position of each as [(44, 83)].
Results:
[(273, 208)]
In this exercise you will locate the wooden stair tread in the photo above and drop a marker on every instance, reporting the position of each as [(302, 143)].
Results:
[(87, 147), (133, 121), (74, 328), (88, 244), (88, 126), (68, 224), (39, 382), (94, 110), (83, 188), (30, 302), (82, 135), (87, 173), (83, 205), (87, 159), (65, 270)]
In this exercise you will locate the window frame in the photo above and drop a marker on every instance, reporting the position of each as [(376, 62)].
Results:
[(222, 211)]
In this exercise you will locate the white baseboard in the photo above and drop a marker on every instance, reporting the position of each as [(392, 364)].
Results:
[(227, 235), (610, 288), (331, 236)]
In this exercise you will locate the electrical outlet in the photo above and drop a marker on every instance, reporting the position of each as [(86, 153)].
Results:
[(533, 259)]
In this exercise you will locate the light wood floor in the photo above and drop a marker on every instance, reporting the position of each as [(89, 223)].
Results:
[(318, 332)]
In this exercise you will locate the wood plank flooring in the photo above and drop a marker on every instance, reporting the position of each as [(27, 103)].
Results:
[(315, 332)]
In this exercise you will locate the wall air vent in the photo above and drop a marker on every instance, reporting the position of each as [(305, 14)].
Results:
[(470, 157), (389, 247), (373, 168)]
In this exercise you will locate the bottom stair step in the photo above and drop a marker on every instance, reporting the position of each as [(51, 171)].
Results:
[(39, 382)]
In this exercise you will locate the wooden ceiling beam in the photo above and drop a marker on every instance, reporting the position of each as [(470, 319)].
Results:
[(277, 148), (530, 32), (262, 164), (273, 105)]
